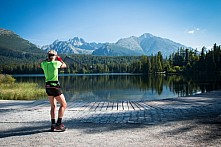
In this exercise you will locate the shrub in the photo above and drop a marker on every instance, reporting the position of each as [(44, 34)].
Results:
[(177, 68), (6, 79)]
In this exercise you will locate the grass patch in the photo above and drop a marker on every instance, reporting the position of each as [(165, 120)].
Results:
[(10, 90), (21, 91)]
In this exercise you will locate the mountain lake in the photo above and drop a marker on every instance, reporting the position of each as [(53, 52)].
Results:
[(126, 87)]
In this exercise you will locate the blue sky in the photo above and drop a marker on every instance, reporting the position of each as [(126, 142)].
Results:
[(194, 23)]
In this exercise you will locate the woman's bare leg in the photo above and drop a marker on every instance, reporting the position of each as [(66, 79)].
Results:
[(53, 103), (63, 105)]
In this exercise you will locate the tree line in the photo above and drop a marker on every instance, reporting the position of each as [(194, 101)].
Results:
[(183, 61)]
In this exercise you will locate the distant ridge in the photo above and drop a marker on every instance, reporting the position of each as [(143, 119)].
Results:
[(146, 44), (14, 49), (13, 46), (73, 46)]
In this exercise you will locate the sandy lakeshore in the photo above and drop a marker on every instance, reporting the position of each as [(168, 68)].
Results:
[(184, 121)]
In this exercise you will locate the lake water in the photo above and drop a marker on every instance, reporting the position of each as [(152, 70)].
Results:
[(124, 87)]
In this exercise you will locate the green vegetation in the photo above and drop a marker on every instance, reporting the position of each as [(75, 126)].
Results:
[(19, 56), (6, 79), (10, 90), (184, 61), (16, 51), (203, 63)]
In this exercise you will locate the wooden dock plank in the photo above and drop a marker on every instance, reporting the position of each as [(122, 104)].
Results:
[(139, 105), (114, 106), (98, 106), (83, 106), (89, 105), (73, 106), (145, 106), (110, 106), (119, 106), (125, 106), (105, 105), (154, 105), (93, 106), (80, 106), (130, 106), (135, 106)]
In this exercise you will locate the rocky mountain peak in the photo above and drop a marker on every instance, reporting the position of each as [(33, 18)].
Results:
[(146, 35), (146, 44)]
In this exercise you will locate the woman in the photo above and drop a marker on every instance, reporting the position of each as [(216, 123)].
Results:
[(50, 67)]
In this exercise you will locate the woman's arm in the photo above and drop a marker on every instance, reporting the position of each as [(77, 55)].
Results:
[(63, 65)]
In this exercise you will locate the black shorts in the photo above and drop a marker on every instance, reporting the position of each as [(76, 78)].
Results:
[(53, 88)]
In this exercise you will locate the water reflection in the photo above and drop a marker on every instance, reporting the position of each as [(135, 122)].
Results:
[(128, 87)]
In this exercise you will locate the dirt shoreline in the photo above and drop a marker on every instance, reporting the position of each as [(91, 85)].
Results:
[(188, 121)]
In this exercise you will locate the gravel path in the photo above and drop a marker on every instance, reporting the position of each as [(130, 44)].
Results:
[(186, 121)]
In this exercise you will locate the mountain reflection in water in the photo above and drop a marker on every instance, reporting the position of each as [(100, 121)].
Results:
[(123, 87)]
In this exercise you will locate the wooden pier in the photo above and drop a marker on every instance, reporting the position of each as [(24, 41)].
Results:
[(110, 106)]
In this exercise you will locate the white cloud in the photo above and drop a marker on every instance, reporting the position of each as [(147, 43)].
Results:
[(193, 31)]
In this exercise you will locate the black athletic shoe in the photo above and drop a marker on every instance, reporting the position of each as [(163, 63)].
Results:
[(52, 127), (59, 127)]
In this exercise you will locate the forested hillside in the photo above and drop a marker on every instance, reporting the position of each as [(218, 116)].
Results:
[(16, 50), (184, 61)]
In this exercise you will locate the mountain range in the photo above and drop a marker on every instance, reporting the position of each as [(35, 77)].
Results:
[(14, 48), (73, 46), (146, 44)]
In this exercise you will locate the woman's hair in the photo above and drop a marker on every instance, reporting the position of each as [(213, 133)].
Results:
[(52, 54)]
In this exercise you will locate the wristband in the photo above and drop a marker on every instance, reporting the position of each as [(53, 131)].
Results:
[(59, 58)]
